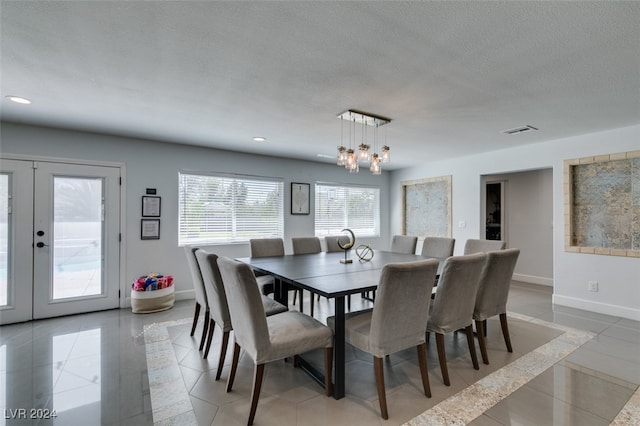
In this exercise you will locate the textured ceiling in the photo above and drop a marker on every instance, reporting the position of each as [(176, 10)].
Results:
[(451, 75)]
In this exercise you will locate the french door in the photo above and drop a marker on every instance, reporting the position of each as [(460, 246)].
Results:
[(59, 239)]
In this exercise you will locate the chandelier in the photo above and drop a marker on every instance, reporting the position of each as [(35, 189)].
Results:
[(367, 151)]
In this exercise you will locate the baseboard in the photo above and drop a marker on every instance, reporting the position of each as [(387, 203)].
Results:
[(601, 308), (533, 279)]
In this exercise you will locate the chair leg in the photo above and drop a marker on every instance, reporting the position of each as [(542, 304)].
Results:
[(258, 374), (195, 319), (382, 397), (424, 371), (505, 331), (223, 353), (328, 370), (205, 328), (442, 358), (234, 367), (311, 303), (212, 327), (472, 347), (481, 341), (301, 300)]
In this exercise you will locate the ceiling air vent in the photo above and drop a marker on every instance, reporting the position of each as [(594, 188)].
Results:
[(518, 130)]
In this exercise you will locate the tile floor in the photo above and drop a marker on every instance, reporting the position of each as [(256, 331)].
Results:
[(569, 367)]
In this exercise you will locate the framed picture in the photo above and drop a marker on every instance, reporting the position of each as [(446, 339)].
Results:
[(150, 206), (300, 198), (149, 229)]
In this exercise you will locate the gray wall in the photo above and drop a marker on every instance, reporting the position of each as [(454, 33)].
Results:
[(152, 164), (619, 277)]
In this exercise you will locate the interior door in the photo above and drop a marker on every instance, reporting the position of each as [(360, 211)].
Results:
[(63, 257)]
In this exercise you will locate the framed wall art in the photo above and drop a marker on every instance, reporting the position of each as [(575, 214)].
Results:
[(300, 198), (150, 206), (149, 229), (426, 207)]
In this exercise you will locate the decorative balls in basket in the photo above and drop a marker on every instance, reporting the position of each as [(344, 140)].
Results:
[(152, 293)]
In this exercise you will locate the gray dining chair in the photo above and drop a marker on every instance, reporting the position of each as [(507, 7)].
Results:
[(404, 244), (331, 242), (267, 339), (218, 305), (454, 303), (200, 293), (483, 246), (493, 292), (438, 247), (306, 245), (396, 321), (267, 247)]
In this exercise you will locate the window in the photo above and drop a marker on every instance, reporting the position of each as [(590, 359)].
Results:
[(222, 209), (353, 207)]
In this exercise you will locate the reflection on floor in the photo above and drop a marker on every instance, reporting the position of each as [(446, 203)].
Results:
[(568, 367)]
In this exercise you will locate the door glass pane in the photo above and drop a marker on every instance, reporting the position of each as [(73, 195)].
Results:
[(77, 237), (4, 239)]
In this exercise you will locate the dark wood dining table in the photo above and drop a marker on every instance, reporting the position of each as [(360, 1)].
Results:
[(323, 274)]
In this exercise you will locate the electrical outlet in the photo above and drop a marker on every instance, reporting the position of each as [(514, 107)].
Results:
[(462, 224), (593, 285)]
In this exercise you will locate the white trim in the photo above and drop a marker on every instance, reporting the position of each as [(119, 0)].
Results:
[(601, 308), (533, 279)]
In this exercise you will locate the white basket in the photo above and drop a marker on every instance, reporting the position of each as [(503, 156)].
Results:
[(145, 302)]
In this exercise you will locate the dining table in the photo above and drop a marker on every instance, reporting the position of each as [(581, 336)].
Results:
[(324, 274)]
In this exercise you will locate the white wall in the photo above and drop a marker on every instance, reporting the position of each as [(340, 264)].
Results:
[(152, 164), (619, 277)]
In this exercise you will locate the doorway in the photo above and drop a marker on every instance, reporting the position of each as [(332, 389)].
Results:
[(59, 239), (495, 226)]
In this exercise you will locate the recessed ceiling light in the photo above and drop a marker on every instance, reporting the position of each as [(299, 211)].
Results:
[(19, 99), (259, 138)]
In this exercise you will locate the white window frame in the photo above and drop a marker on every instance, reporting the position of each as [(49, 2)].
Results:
[(200, 227), (324, 226)]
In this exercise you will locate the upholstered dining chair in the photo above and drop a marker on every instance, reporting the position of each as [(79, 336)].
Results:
[(438, 247), (331, 241), (396, 321), (404, 244), (306, 245), (201, 295), (267, 247), (453, 305), (484, 246), (218, 305), (267, 339), (493, 292)]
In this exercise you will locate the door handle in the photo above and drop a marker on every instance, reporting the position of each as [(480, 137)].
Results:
[(41, 244)]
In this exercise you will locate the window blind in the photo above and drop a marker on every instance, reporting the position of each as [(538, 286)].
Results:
[(338, 207), (222, 209)]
